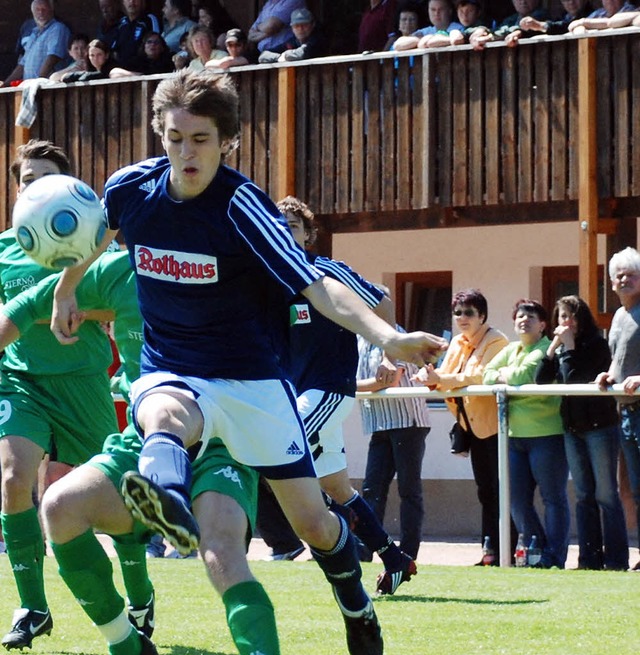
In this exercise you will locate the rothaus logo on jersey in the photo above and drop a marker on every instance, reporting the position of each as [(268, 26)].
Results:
[(299, 314), (175, 266)]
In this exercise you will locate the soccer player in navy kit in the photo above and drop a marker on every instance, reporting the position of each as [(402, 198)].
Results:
[(324, 361), (214, 260)]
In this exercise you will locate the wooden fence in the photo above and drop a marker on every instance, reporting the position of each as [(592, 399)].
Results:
[(383, 142)]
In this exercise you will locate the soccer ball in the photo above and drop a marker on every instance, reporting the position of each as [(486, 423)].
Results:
[(58, 221)]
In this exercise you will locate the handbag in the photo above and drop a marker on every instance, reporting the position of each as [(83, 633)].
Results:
[(459, 437)]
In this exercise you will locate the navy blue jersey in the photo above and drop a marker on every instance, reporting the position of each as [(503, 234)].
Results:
[(324, 355), (215, 273)]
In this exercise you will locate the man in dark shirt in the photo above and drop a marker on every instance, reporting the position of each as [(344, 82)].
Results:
[(111, 16), (131, 29), (376, 24)]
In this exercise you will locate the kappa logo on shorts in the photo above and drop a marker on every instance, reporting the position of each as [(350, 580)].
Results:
[(294, 449), (231, 474)]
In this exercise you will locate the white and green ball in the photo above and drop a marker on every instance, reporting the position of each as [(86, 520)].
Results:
[(58, 221)]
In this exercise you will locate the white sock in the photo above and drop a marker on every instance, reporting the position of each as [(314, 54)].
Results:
[(117, 630)]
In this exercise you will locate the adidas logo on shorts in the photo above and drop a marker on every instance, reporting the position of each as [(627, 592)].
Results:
[(294, 449)]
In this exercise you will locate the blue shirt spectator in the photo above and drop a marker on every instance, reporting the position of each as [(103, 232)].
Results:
[(45, 48)]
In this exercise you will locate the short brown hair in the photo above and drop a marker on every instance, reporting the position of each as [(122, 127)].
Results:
[(203, 93), (292, 205), (40, 149)]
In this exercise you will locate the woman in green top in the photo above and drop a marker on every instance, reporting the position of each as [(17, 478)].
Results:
[(536, 447)]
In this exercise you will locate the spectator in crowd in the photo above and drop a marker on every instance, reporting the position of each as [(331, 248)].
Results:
[(475, 345), (131, 29), (154, 58), (307, 42), (624, 341), (577, 354), (408, 22), (214, 15), (111, 11), (509, 29), (536, 444), (182, 58), (440, 15), (271, 28), (201, 42), (45, 49), (398, 429), (574, 10), (78, 51), (471, 16), (237, 46), (376, 24), (100, 64), (176, 22), (600, 19)]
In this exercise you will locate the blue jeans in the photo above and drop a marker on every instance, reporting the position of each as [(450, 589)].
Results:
[(593, 462), (630, 425), (541, 462), (398, 451)]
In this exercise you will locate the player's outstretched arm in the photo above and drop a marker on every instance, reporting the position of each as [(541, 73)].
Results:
[(344, 307), (65, 317)]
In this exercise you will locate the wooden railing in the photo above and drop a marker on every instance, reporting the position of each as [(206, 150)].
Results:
[(450, 137)]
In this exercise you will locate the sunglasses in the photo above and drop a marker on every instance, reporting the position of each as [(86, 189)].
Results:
[(464, 312)]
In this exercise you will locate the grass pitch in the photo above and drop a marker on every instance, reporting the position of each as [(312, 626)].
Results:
[(442, 611)]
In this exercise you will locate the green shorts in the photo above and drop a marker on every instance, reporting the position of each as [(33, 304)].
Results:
[(67, 416), (215, 471)]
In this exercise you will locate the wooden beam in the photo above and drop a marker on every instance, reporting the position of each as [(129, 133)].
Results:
[(286, 139), (587, 179)]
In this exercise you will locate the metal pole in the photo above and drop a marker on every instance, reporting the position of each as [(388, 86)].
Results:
[(506, 546)]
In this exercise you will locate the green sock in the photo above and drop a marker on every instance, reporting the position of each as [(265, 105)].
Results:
[(25, 548), (87, 571), (251, 619), (130, 646), (133, 562)]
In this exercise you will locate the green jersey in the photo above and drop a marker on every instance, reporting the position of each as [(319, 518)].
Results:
[(37, 351), (109, 283)]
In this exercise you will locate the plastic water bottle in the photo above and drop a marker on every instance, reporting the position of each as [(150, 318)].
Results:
[(488, 556), (534, 554), (520, 554)]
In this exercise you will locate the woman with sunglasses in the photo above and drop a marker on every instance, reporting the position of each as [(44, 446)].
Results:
[(536, 444), (577, 354), (153, 57), (470, 351)]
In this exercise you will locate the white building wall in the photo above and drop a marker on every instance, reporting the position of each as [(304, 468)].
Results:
[(505, 263)]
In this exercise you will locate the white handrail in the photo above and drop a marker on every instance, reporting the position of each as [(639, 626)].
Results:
[(502, 393)]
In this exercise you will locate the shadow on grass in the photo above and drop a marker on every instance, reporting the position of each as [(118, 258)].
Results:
[(466, 601), (187, 650)]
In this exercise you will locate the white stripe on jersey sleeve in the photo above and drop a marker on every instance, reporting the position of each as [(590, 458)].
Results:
[(343, 273), (276, 239)]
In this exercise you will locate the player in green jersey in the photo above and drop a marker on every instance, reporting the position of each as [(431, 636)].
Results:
[(44, 392), (223, 492)]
